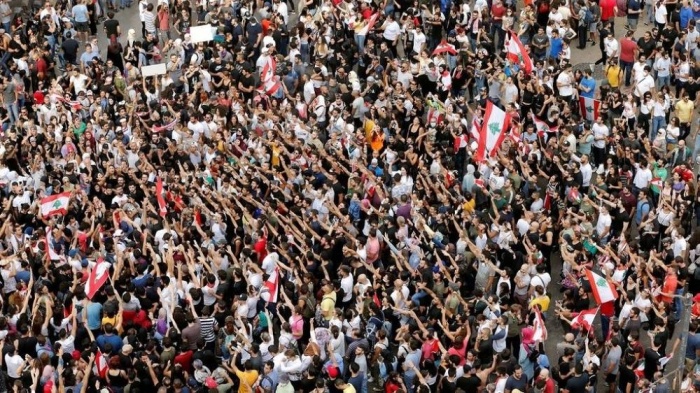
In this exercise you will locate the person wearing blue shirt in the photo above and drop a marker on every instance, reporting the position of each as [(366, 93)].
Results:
[(587, 85), (81, 17), (109, 338), (643, 207), (87, 56), (686, 14), (696, 9), (375, 168), (556, 45)]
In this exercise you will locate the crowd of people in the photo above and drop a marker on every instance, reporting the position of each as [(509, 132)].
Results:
[(316, 198)]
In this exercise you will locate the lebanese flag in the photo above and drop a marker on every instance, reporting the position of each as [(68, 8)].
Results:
[(97, 278), (540, 330), (162, 207), (461, 141), (475, 132), (101, 364), (493, 131), (369, 25), (515, 134), (657, 182), (270, 289), (271, 87), (589, 108), (55, 204), (602, 291), (198, 217), (543, 128), (585, 318), (517, 53)]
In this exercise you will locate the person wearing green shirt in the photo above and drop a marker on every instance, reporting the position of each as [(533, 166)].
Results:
[(659, 173)]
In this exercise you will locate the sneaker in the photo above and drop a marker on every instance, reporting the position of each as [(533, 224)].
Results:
[(592, 43)]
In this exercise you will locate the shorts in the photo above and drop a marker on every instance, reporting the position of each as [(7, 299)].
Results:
[(81, 26), (593, 27), (611, 378)]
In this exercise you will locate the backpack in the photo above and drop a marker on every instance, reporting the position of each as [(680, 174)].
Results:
[(309, 310), (588, 17)]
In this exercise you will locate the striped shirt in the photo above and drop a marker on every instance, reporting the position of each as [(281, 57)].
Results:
[(150, 21), (207, 326)]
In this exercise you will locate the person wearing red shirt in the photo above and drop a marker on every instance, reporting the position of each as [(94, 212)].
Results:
[(628, 52), (668, 291), (683, 171), (608, 10), (544, 383), (498, 11)]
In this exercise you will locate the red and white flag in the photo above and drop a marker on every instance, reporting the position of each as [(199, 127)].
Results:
[(603, 292), (475, 131), (97, 278), (370, 24), (584, 318), (270, 289), (56, 204), (269, 82), (589, 108), (461, 141), (493, 131), (162, 206), (543, 128), (540, 330), (517, 53), (101, 364)]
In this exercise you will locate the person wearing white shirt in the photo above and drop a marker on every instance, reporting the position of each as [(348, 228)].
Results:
[(660, 14), (346, 283), (565, 83), (14, 364), (419, 40), (643, 176), (600, 137), (586, 172), (391, 33), (658, 114), (612, 46), (662, 66), (645, 84), (281, 8)]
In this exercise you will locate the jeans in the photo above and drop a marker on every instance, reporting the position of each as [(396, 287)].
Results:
[(656, 123), (662, 81), (360, 41), (627, 68), (416, 298), (12, 112)]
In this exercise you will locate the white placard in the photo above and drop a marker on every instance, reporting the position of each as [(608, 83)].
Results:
[(153, 70), (202, 33)]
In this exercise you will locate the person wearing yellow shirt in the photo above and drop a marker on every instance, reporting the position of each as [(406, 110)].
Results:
[(247, 377), (684, 111), (541, 299), (328, 301), (614, 73), (344, 386)]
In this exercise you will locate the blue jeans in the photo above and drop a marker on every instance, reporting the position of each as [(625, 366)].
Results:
[(360, 41), (656, 123), (12, 112), (627, 68), (416, 298), (662, 81)]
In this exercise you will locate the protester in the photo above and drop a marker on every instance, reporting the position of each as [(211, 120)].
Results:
[(347, 197)]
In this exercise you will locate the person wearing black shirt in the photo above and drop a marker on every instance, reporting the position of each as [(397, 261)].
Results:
[(652, 356), (246, 84), (577, 383), (111, 25), (469, 382)]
